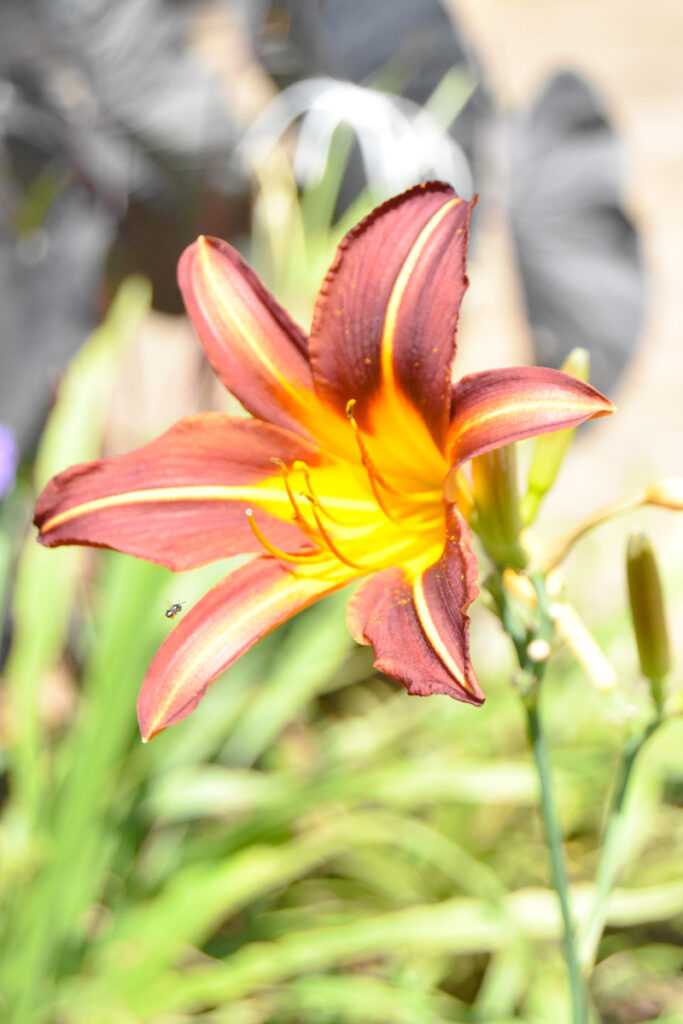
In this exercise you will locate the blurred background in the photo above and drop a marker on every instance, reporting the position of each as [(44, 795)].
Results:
[(312, 845)]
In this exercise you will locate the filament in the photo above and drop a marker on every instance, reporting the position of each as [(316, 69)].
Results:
[(312, 495), (298, 515), (305, 557), (374, 476), (328, 540)]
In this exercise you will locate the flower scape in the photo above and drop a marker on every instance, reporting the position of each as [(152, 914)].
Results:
[(348, 469)]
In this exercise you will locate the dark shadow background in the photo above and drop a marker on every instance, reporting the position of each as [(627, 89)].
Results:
[(118, 132)]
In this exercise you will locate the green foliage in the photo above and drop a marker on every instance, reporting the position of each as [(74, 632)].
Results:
[(311, 845)]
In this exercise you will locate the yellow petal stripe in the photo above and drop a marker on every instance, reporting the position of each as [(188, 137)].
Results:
[(226, 621), (399, 289), (508, 411), (163, 494), (433, 635), (235, 315), (263, 496)]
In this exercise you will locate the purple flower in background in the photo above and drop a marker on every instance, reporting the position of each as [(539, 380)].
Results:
[(9, 457)]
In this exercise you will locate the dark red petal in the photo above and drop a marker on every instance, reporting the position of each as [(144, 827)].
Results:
[(179, 501), (420, 630), (497, 407), (254, 346), (387, 313), (236, 613)]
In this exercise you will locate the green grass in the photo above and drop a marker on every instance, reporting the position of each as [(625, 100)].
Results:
[(311, 845)]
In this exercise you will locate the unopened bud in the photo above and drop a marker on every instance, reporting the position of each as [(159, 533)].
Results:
[(647, 611), (496, 496), (550, 449)]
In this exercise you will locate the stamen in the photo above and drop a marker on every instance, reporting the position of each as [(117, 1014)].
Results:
[(374, 476), (298, 515), (305, 557), (330, 543), (303, 468), (365, 454)]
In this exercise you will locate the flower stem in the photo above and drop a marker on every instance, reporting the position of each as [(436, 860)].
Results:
[(551, 818), (611, 859), (535, 669), (554, 837)]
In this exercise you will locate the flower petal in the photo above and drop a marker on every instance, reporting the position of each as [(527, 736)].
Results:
[(234, 614), (254, 346), (387, 312), (420, 628), (179, 501), (497, 407)]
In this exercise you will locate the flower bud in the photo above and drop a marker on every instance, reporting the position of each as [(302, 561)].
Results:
[(647, 610), (496, 497), (550, 449)]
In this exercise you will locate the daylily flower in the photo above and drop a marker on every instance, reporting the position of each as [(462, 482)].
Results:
[(346, 471)]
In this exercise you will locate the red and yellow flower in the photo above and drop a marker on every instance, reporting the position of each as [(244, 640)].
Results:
[(346, 469)]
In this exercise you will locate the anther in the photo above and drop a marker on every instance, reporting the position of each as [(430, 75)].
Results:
[(305, 557)]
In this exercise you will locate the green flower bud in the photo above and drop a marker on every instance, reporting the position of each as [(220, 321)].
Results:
[(496, 497), (647, 611), (550, 449)]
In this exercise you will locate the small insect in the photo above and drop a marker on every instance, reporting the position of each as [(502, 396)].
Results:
[(174, 609)]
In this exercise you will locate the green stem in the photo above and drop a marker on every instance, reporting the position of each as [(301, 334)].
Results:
[(611, 859), (521, 637), (554, 837)]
